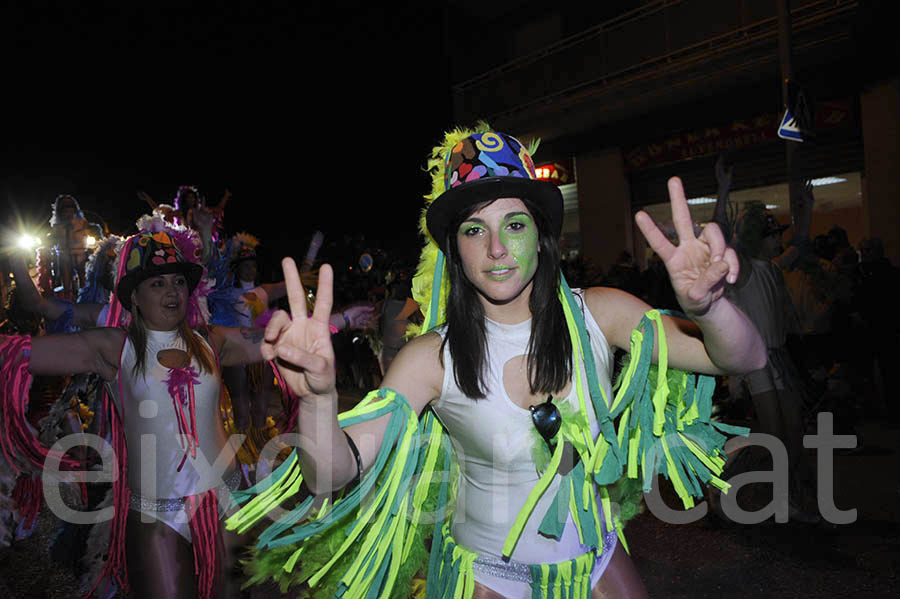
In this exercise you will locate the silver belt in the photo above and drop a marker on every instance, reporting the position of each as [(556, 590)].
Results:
[(173, 504), (519, 571), (510, 570)]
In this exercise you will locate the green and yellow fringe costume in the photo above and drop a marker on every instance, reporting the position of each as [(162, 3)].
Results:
[(371, 541)]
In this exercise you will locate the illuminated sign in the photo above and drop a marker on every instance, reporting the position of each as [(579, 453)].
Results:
[(554, 172)]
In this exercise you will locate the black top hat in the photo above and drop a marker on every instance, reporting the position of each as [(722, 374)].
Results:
[(149, 255), (484, 167)]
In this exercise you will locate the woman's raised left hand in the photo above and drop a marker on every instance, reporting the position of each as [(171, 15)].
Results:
[(699, 266)]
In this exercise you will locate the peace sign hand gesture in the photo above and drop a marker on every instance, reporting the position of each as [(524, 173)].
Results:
[(698, 267), (301, 345)]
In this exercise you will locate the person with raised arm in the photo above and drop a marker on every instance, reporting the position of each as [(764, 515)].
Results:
[(163, 372), (502, 407)]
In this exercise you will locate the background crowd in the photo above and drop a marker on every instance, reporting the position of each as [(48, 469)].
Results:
[(838, 333)]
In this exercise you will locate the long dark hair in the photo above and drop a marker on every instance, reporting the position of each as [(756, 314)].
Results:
[(549, 346)]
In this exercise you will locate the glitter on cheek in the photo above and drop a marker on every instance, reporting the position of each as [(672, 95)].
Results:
[(523, 249)]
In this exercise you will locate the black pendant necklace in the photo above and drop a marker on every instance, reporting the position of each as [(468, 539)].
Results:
[(546, 419)]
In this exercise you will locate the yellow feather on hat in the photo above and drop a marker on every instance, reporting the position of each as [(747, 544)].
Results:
[(423, 282)]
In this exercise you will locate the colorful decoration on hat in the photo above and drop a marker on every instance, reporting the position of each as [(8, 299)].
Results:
[(167, 212), (161, 246), (488, 154), (150, 252), (185, 239), (476, 147)]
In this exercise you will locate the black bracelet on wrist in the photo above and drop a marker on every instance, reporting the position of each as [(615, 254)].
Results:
[(355, 452)]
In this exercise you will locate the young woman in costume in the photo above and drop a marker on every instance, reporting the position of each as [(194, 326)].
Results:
[(164, 377), (515, 368)]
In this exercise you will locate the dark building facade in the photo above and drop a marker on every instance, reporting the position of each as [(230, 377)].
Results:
[(625, 95)]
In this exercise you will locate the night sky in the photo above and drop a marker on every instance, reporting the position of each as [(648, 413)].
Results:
[(313, 117)]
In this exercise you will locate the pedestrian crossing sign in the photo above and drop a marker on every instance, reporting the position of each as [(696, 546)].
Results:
[(789, 128)]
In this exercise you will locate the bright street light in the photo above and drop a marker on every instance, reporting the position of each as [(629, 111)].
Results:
[(28, 242)]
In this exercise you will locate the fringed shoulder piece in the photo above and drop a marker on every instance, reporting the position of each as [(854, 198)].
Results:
[(19, 442), (659, 421), (381, 518), (666, 425)]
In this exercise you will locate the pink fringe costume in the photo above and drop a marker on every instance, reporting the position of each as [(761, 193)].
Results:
[(185, 475)]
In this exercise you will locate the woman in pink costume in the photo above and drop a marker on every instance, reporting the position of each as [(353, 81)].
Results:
[(163, 375)]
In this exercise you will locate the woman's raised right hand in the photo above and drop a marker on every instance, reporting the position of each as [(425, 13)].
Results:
[(301, 344)]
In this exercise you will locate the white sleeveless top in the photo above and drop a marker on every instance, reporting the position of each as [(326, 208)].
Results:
[(151, 428), (493, 440)]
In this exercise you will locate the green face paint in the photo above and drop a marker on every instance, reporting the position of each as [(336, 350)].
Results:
[(519, 234)]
